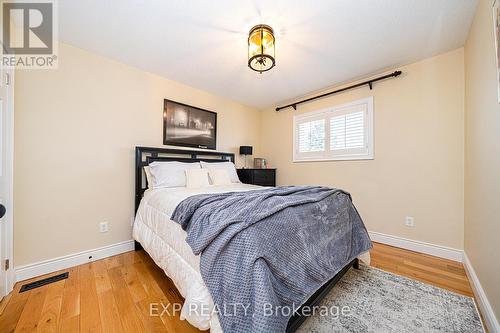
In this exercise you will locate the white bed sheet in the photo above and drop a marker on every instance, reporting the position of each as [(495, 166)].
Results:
[(165, 242)]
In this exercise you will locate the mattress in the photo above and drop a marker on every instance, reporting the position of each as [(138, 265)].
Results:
[(164, 240)]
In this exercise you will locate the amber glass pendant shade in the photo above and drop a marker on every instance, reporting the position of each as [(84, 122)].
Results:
[(261, 48)]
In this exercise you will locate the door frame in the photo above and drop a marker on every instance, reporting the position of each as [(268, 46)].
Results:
[(7, 82), (8, 221)]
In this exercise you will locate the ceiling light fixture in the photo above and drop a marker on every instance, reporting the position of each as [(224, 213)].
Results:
[(261, 48)]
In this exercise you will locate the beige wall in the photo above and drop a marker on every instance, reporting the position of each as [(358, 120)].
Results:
[(418, 165), (75, 133), (482, 154)]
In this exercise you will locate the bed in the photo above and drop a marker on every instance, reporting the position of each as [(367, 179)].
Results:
[(164, 239)]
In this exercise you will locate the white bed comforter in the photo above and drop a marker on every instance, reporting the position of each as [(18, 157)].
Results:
[(164, 241)]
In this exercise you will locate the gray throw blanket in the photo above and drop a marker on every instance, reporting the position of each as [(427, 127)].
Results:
[(270, 248)]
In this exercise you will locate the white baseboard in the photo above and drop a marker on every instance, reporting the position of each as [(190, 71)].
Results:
[(417, 246), (484, 304), (71, 260)]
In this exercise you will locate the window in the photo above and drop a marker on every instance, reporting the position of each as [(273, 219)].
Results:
[(343, 132), (312, 136)]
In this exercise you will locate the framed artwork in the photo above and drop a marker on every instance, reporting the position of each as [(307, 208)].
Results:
[(188, 126), (496, 26)]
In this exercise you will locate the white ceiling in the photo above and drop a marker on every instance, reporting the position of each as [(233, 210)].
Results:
[(319, 43)]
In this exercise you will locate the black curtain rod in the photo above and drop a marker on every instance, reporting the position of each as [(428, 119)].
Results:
[(369, 83)]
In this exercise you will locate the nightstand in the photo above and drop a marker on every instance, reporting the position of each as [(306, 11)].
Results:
[(262, 177)]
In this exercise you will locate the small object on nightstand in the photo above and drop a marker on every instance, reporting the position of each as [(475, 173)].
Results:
[(262, 177), (259, 163), (246, 150)]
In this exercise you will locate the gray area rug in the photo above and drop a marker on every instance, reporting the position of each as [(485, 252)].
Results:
[(384, 302)]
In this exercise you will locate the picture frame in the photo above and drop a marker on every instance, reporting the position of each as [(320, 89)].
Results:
[(496, 30), (189, 126)]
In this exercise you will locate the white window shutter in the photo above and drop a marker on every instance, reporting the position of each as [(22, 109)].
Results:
[(348, 131), (337, 133), (340, 133), (311, 135)]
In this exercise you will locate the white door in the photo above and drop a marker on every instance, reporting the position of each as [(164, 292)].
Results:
[(6, 179)]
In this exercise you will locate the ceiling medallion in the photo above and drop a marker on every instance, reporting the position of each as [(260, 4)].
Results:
[(261, 48)]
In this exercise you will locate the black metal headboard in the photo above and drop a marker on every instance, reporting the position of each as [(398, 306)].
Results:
[(146, 155)]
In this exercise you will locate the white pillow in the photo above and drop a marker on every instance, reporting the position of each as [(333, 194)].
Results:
[(219, 177), (229, 166), (196, 178), (170, 174), (149, 178)]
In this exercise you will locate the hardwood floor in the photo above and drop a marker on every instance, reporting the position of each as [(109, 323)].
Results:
[(114, 294), (446, 274)]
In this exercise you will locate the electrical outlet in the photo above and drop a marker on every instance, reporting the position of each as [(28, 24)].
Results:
[(409, 221), (103, 227)]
